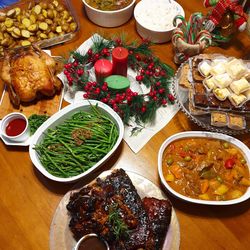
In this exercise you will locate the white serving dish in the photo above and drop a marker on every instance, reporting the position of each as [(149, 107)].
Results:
[(58, 118), (155, 33), (109, 18), (88, 236), (18, 138), (244, 149)]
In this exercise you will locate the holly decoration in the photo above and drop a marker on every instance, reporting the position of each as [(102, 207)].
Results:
[(150, 71)]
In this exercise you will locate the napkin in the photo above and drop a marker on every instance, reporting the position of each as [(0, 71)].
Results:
[(5, 3), (163, 116), (137, 141)]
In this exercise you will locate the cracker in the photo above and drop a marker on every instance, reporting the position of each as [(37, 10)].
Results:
[(219, 119), (237, 122), (183, 80)]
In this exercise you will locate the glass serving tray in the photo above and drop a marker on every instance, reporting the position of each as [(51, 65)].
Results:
[(182, 98), (44, 42)]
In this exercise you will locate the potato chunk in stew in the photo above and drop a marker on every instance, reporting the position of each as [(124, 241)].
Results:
[(207, 169)]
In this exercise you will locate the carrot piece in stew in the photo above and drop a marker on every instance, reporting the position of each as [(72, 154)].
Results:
[(204, 185), (176, 171)]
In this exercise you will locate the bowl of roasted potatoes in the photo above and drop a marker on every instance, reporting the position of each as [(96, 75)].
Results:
[(45, 22)]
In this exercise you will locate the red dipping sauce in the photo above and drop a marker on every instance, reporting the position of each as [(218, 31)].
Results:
[(15, 127)]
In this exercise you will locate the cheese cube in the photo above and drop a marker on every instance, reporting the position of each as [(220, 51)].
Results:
[(240, 86)]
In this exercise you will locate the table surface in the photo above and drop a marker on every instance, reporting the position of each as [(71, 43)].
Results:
[(28, 199)]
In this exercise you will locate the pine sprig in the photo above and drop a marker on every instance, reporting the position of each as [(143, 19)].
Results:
[(99, 43), (118, 226)]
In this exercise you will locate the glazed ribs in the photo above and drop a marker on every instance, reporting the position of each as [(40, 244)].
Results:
[(112, 209)]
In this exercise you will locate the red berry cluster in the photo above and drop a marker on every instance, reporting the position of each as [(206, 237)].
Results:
[(148, 69), (93, 57), (73, 72), (100, 92), (148, 72)]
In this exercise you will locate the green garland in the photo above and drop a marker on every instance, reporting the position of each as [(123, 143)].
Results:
[(151, 72)]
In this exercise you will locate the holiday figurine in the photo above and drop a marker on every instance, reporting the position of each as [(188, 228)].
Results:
[(227, 15)]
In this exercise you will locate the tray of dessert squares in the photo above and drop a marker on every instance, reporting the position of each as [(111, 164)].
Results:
[(214, 92)]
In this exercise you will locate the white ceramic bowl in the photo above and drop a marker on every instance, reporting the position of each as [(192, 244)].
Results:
[(7, 119), (58, 118), (192, 134), (109, 18), (154, 19), (88, 236)]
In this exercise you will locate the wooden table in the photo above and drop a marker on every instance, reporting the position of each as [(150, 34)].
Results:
[(28, 199)]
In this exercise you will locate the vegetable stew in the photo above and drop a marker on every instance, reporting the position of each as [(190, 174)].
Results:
[(207, 169), (109, 5)]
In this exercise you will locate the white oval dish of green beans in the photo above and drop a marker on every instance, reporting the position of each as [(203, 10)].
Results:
[(76, 140)]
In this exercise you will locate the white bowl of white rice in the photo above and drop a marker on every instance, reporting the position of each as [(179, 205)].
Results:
[(154, 19)]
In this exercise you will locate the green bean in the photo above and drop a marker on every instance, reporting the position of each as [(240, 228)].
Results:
[(78, 143)]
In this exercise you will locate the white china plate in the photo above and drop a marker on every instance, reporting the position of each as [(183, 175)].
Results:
[(192, 134), (61, 236), (58, 118)]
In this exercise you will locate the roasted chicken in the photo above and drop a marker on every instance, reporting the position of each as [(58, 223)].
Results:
[(29, 72), (112, 209)]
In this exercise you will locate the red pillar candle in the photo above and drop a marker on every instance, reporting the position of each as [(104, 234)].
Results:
[(103, 68), (120, 61)]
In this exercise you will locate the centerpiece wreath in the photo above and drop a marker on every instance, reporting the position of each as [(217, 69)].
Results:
[(150, 71)]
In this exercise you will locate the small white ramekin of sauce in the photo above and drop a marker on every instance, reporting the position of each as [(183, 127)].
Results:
[(15, 127), (91, 242)]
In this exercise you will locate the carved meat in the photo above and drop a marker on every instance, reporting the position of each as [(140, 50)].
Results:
[(29, 72), (112, 209)]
